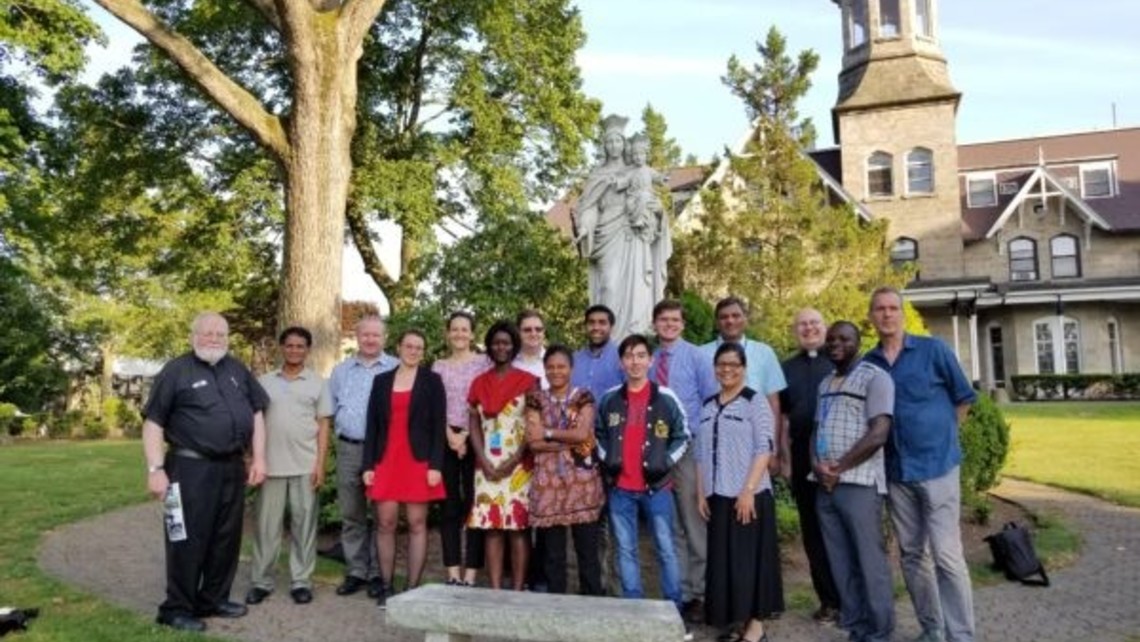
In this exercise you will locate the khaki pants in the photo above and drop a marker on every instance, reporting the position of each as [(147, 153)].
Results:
[(276, 494)]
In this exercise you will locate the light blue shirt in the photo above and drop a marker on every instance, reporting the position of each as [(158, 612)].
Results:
[(350, 385), (597, 372), (763, 372), (690, 378)]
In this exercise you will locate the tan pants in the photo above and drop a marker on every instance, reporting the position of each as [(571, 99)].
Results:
[(275, 495)]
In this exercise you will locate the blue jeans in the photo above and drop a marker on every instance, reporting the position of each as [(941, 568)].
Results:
[(658, 509)]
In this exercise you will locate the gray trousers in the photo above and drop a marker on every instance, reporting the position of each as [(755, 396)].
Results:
[(851, 521), (356, 537), (925, 516), (275, 494), (690, 532)]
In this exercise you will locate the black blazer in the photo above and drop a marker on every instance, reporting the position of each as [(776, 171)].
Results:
[(427, 418)]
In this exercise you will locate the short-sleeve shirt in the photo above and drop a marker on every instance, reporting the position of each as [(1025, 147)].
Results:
[(846, 407), (731, 436), (350, 386), (457, 378), (929, 386), (762, 373), (291, 421), (206, 408)]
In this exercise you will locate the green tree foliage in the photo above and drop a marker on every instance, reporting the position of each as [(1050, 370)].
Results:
[(513, 263), (770, 232), (31, 358), (664, 152)]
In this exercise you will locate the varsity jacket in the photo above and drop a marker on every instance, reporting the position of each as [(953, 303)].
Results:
[(666, 434)]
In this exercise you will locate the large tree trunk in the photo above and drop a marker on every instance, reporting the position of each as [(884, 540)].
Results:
[(317, 177)]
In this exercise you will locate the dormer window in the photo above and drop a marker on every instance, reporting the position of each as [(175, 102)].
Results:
[(857, 24), (1097, 180), (981, 191), (923, 22), (879, 179), (889, 19)]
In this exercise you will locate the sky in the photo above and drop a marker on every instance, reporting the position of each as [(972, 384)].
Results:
[(1022, 67)]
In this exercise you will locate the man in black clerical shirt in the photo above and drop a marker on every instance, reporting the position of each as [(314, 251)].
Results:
[(804, 372), (208, 408)]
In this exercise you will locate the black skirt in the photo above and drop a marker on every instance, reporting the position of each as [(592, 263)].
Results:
[(742, 579)]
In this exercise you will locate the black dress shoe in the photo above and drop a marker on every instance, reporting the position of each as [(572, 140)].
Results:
[(228, 609), (256, 595), (182, 622), (375, 587), (350, 585), (301, 595)]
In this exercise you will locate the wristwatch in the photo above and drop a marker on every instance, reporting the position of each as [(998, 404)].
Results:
[(548, 435), (150, 470)]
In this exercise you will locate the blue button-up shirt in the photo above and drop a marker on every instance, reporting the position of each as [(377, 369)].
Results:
[(762, 372), (929, 386), (597, 371), (349, 385), (690, 378)]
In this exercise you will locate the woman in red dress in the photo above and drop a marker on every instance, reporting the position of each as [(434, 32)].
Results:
[(403, 456)]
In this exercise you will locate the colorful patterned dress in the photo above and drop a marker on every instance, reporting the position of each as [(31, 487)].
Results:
[(567, 487), (500, 402)]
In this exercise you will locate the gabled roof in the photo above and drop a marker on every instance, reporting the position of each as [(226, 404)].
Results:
[(1036, 182), (1018, 159)]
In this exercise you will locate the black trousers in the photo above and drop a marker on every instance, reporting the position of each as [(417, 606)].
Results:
[(804, 493), (586, 537), (459, 481), (200, 569)]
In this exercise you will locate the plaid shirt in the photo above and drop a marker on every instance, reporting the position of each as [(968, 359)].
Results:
[(843, 416)]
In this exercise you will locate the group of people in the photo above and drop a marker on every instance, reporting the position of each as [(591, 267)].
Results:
[(528, 446)]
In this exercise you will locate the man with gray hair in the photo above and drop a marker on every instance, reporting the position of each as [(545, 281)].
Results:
[(349, 388), (209, 408)]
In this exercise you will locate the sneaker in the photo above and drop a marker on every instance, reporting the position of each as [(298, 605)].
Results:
[(688, 633)]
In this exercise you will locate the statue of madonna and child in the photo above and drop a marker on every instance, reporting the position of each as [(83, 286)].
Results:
[(622, 229)]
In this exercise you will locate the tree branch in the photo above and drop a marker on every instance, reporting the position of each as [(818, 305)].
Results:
[(234, 99), (358, 230), (267, 11), (359, 16)]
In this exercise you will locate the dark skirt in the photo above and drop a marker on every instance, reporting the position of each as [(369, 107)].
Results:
[(742, 579)]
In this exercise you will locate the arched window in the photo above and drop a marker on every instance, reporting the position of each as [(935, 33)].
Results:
[(879, 181), (1065, 254), (1022, 260), (923, 22), (889, 18), (1057, 344), (903, 251), (920, 171)]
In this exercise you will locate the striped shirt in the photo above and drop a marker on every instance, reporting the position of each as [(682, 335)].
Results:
[(730, 438), (843, 416)]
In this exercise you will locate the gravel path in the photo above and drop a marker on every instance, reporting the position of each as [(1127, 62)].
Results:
[(119, 556)]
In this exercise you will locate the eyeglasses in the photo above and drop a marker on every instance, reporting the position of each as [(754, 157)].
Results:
[(533, 329), (729, 364)]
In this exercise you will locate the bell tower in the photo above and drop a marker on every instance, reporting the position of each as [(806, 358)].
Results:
[(894, 121)]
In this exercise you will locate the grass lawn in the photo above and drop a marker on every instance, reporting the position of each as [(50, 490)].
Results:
[(47, 484), (1090, 447)]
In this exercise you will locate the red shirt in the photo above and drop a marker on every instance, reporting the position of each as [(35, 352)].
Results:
[(632, 476)]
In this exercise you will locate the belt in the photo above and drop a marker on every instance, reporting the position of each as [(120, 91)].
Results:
[(194, 454), (350, 440)]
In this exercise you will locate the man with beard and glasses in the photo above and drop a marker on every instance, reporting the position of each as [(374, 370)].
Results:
[(209, 408)]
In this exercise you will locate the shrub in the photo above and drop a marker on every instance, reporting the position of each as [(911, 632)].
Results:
[(984, 438), (787, 517), (1076, 386), (119, 415), (10, 424), (700, 318), (94, 426)]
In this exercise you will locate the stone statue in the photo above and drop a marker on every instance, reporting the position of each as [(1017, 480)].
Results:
[(622, 229)]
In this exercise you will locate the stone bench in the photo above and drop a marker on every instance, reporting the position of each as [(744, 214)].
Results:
[(455, 614)]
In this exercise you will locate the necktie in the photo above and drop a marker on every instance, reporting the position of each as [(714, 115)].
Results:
[(662, 368)]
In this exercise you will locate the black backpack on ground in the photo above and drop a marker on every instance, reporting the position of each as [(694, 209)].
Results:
[(1014, 555)]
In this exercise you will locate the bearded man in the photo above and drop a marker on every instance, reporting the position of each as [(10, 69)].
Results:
[(208, 408)]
